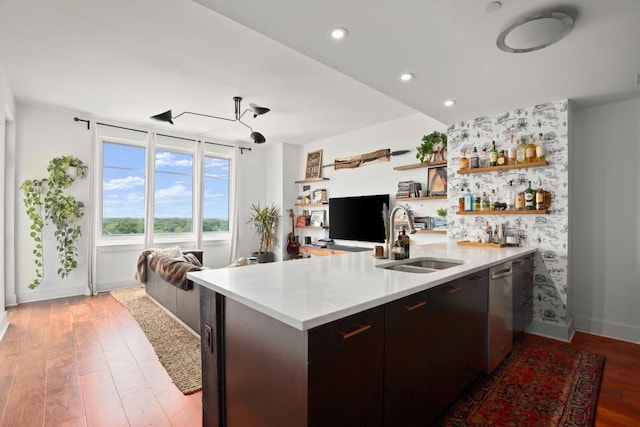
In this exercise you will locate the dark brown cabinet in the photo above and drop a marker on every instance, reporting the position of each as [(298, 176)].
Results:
[(346, 371), (522, 293), (434, 347)]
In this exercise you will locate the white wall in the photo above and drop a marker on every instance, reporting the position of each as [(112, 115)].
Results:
[(379, 178), (605, 220), (7, 142)]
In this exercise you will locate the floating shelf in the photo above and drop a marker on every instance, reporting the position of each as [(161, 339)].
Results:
[(431, 231), (503, 168), (306, 181), (312, 204), (420, 165), (409, 199), (312, 227), (480, 244), (519, 212)]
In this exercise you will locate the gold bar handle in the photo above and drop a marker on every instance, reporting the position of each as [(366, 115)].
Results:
[(414, 306), (347, 335)]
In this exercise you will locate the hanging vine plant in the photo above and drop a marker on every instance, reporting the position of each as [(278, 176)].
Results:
[(63, 211)]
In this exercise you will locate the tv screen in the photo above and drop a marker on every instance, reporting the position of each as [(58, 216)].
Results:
[(357, 218)]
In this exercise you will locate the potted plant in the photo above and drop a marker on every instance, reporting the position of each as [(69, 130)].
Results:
[(442, 212), (434, 141), (264, 220)]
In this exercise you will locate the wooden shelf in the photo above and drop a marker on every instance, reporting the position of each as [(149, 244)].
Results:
[(519, 212), (420, 165), (312, 227), (306, 181), (503, 168), (480, 244), (409, 199), (312, 204), (432, 231)]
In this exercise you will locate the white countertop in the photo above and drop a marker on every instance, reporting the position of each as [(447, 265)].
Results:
[(310, 292)]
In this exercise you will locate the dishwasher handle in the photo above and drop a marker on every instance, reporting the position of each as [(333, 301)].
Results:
[(501, 274)]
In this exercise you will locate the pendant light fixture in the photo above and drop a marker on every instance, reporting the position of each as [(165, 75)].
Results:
[(257, 110)]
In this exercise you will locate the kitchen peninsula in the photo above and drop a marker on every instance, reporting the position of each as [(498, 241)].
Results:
[(323, 341)]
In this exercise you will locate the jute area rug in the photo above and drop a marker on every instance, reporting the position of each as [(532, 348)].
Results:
[(177, 349), (540, 383)]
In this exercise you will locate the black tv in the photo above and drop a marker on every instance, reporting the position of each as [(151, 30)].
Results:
[(357, 218)]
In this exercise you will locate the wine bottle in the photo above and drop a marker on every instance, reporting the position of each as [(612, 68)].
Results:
[(493, 155), (530, 151), (511, 152), (529, 198), (541, 154)]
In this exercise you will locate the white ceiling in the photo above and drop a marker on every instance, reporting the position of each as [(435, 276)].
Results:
[(127, 60)]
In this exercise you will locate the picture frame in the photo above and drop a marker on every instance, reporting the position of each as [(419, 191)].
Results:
[(437, 181), (314, 165), (317, 218)]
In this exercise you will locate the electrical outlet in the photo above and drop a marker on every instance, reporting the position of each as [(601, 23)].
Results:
[(208, 337)]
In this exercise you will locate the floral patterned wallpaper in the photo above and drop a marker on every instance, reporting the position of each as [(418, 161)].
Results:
[(549, 233)]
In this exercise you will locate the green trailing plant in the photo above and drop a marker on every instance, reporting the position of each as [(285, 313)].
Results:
[(264, 220), (441, 212), (429, 142), (63, 211)]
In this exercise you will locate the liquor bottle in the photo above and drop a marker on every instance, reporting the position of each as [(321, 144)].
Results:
[(464, 160), (477, 200), (511, 152), (493, 155), (461, 202), (530, 151), (521, 152), (502, 160), (540, 198), (483, 159), (468, 201), (492, 200), (473, 160), (530, 198), (484, 202), (541, 153), (511, 197), (519, 198)]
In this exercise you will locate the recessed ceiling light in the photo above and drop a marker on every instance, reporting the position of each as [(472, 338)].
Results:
[(405, 77), (449, 103), (535, 32), (339, 33)]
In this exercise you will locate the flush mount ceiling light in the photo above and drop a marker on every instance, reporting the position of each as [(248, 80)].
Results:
[(339, 33), (449, 103), (535, 32), (405, 77), (257, 137)]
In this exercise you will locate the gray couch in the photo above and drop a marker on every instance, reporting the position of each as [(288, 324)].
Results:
[(183, 303)]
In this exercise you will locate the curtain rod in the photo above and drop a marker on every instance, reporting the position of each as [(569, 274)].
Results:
[(76, 119)]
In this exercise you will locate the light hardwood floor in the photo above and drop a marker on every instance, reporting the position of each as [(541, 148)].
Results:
[(83, 361)]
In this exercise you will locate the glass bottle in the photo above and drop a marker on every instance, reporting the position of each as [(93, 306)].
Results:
[(502, 160), (530, 151), (484, 158), (540, 198), (529, 198), (461, 202), (541, 153), (473, 160), (464, 160), (520, 152), (511, 197), (468, 201), (484, 202), (492, 200), (519, 198), (511, 152), (477, 200), (493, 155)]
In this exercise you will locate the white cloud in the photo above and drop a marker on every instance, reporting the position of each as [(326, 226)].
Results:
[(175, 191), (167, 158), (123, 183)]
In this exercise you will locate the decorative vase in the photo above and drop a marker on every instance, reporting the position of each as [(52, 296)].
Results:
[(386, 249)]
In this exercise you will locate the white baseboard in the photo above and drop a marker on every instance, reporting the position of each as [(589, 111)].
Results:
[(116, 284), (608, 329), (47, 294), (4, 323), (10, 300), (559, 331)]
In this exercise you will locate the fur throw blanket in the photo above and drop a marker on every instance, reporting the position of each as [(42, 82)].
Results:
[(170, 269)]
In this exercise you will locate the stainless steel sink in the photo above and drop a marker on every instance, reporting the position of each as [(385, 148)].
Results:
[(421, 265)]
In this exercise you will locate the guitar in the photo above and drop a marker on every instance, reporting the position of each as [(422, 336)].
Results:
[(293, 245)]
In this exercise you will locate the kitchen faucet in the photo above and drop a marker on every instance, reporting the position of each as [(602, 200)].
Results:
[(392, 215)]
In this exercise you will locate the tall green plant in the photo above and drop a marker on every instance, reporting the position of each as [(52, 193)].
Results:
[(63, 211), (264, 221)]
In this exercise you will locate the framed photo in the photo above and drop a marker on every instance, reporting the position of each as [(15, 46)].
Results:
[(437, 181), (317, 218), (314, 164)]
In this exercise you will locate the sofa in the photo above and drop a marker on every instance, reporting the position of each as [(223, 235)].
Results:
[(165, 279)]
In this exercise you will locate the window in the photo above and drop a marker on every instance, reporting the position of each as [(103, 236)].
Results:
[(173, 198), (123, 189), (215, 204)]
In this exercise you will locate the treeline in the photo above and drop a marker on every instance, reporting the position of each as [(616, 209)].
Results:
[(115, 226)]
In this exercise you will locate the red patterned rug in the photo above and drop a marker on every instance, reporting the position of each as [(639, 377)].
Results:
[(540, 383)]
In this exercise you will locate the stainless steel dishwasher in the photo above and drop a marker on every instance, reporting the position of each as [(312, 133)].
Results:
[(500, 329)]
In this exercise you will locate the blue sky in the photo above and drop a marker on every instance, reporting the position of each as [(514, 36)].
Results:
[(124, 182)]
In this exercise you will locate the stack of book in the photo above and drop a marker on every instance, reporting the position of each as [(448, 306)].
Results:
[(408, 189)]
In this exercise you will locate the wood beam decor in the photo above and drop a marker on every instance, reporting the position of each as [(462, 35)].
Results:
[(364, 159)]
